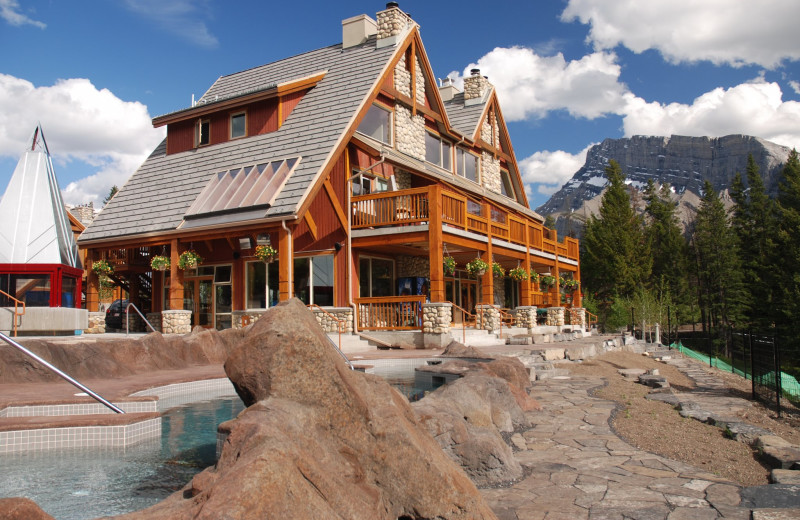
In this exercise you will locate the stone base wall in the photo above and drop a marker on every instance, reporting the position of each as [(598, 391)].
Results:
[(577, 317), (97, 323), (525, 317), (241, 319), (155, 320), (328, 324), (555, 316), (176, 322), (488, 317), (436, 318)]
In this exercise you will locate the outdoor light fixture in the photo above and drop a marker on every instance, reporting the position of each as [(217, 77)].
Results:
[(245, 243), (263, 240)]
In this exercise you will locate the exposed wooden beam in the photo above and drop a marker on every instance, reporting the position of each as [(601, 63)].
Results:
[(312, 226), (335, 203)]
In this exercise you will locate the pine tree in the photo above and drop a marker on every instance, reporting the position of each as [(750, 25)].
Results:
[(113, 191), (787, 294), (615, 260)]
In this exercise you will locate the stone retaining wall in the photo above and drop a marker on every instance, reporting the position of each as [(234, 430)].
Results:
[(176, 322), (328, 324), (97, 323)]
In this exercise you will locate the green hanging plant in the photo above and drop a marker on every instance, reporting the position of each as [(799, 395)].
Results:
[(189, 259), (449, 264), (477, 267), (266, 253), (160, 263), (546, 281), (102, 267), (534, 276), (497, 270), (518, 273)]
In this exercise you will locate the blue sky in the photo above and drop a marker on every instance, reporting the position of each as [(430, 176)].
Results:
[(569, 73)]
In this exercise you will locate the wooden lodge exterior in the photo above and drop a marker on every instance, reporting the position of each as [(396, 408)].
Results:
[(357, 168)]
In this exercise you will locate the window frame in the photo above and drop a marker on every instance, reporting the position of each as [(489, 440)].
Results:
[(242, 113), (369, 283), (311, 287), (390, 124), (460, 169), (198, 133), (441, 142), (507, 185)]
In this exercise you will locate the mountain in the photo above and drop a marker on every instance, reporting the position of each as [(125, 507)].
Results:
[(682, 162)]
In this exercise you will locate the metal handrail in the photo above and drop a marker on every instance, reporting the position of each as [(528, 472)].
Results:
[(70, 380), (16, 311), (339, 328), (127, 318), (463, 322), (592, 319)]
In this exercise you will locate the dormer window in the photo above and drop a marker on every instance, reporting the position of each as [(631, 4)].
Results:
[(238, 125), (377, 124), (438, 151), (203, 132)]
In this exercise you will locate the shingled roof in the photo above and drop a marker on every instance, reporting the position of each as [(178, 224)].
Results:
[(165, 186), (464, 118)]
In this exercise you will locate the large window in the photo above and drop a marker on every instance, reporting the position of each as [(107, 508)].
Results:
[(238, 125), (33, 289), (262, 285), (375, 277), (377, 124), (506, 188), (313, 280), (203, 132), (365, 184), (438, 151), (467, 164)]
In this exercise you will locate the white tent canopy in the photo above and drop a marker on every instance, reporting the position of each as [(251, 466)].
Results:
[(35, 226)]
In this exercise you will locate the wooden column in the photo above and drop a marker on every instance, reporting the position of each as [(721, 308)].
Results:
[(487, 280), (175, 278), (92, 281), (285, 265), (526, 299), (435, 247)]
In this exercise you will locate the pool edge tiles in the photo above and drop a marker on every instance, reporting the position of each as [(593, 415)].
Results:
[(80, 437), (177, 394)]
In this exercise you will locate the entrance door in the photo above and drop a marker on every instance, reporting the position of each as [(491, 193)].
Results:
[(467, 295), (198, 297)]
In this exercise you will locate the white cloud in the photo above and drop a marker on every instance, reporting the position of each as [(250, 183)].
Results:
[(550, 170), (795, 86), (530, 85), (734, 32), (106, 135), (754, 108), (181, 17), (9, 11)]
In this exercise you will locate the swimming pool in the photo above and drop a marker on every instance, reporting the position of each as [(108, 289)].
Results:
[(78, 483)]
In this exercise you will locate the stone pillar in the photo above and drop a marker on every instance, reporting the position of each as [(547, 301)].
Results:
[(154, 318), (97, 323), (488, 317), (176, 322), (555, 316), (577, 317), (436, 320), (525, 316), (328, 324)]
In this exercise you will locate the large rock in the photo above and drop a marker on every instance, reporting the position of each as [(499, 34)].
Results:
[(21, 509), (467, 417), (319, 441)]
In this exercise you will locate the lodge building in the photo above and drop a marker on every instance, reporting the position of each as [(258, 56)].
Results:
[(358, 168)]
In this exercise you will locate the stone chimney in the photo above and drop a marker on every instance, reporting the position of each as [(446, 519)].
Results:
[(392, 24), (447, 90), (475, 86), (357, 29)]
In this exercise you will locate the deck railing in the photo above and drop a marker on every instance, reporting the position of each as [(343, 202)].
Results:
[(17, 314), (390, 313), (408, 207)]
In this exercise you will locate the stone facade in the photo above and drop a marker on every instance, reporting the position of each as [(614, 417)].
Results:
[(555, 316), (247, 317), (97, 323), (392, 22), (475, 86), (409, 132), (488, 317), (328, 324), (499, 289), (403, 179), (402, 79), (436, 318), (577, 317), (525, 317), (176, 322), (413, 266), (490, 172)]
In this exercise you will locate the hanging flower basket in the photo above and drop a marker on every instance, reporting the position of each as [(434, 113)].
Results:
[(160, 263), (534, 276), (266, 253), (449, 264), (477, 267), (546, 281), (102, 267), (497, 270), (518, 273), (189, 260), (570, 286)]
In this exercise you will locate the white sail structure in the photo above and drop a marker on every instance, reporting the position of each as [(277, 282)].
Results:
[(35, 227)]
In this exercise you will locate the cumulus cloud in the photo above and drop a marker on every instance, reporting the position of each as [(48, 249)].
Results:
[(9, 11), (550, 170), (82, 124), (529, 85), (184, 18), (720, 31)]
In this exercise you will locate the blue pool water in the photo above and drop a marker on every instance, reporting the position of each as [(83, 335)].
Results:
[(77, 484)]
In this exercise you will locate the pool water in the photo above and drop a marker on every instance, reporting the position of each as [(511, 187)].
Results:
[(77, 484)]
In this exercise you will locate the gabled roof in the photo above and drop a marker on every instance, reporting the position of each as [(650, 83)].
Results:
[(464, 118), (36, 228), (165, 186)]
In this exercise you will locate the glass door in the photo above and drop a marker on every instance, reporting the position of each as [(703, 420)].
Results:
[(198, 297)]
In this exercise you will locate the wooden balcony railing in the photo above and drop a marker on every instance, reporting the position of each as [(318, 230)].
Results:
[(406, 207), (390, 313)]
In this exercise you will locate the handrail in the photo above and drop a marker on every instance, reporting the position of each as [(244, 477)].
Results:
[(127, 317), (502, 313), (463, 322), (16, 311), (592, 319), (338, 327), (70, 380)]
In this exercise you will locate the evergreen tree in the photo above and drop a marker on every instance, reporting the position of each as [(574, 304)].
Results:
[(716, 263), (113, 191), (615, 259), (787, 291)]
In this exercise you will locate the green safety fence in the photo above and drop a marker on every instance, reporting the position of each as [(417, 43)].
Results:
[(789, 383)]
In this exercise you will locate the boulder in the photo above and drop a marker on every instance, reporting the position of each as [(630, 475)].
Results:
[(319, 441), (459, 350), (21, 509)]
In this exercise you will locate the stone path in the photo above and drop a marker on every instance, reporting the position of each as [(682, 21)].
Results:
[(580, 469)]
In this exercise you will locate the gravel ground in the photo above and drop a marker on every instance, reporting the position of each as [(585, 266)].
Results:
[(658, 427)]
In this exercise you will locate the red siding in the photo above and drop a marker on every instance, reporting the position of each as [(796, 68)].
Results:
[(289, 102), (262, 117), (180, 137)]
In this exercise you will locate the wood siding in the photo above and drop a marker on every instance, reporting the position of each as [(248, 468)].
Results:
[(289, 102), (180, 137)]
